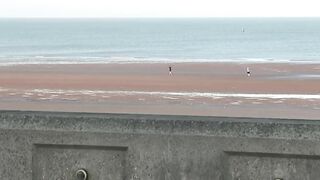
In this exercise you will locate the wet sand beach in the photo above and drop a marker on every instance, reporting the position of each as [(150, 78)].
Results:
[(278, 90)]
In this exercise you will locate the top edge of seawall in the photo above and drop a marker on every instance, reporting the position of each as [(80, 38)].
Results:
[(155, 117), (231, 127)]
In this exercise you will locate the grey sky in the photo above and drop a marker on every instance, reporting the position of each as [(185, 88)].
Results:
[(158, 8)]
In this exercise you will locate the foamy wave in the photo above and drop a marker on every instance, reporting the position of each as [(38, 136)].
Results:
[(183, 94), (168, 95), (10, 61)]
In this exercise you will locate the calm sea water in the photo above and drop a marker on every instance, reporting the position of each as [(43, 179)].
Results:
[(106, 40)]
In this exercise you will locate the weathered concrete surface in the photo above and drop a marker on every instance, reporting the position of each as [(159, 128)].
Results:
[(52, 146)]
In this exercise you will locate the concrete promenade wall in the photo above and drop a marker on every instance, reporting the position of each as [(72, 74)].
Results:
[(54, 146)]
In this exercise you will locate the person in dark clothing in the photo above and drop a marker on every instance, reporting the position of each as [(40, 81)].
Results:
[(248, 71)]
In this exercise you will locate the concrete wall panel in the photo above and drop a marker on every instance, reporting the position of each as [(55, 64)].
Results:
[(51, 146)]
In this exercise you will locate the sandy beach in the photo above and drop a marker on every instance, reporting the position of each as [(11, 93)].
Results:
[(275, 90)]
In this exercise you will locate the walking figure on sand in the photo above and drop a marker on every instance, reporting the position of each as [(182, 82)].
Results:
[(170, 70), (248, 71)]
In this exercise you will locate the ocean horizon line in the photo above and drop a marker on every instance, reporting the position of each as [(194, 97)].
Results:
[(162, 17)]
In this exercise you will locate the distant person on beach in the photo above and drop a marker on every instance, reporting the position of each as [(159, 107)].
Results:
[(170, 70), (248, 71)]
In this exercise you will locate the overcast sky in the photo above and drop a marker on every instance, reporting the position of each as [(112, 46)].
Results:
[(159, 8)]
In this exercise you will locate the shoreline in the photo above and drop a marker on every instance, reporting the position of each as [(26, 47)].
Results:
[(43, 60)]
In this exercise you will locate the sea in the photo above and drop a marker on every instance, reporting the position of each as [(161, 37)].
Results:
[(59, 41)]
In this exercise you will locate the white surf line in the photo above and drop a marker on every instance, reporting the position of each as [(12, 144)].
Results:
[(166, 97), (54, 92), (3, 89), (184, 94)]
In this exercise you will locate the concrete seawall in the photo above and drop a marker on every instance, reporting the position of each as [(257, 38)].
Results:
[(54, 146)]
